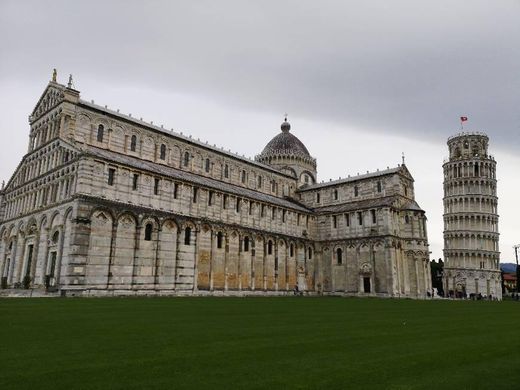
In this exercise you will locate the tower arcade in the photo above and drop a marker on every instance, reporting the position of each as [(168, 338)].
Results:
[(470, 218)]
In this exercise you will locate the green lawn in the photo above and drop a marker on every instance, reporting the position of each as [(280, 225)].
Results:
[(258, 343)]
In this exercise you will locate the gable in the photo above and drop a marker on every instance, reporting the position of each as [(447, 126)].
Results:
[(403, 170), (51, 97), (19, 176)]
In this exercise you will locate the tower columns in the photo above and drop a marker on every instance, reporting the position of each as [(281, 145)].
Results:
[(471, 234)]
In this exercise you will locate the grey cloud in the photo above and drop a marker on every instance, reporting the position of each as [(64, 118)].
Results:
[(403, 67)]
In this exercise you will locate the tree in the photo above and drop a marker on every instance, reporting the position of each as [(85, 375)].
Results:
[(437, 271)]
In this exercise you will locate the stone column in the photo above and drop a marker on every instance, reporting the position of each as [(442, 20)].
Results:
[(112, 250), (137, 240), (211, 260), (198, 229), (417, 278), (156, 257), (287, 265), (45, 265), (276, 265), (226, 256), (60, 252), (399, 271), (253, 255), (18, 261), (264, 265), (239, 266)]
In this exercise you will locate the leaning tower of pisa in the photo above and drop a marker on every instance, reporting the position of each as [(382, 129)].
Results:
[(470, 218)]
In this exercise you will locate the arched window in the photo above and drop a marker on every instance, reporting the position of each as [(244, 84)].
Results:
[(356, 190), (148, 232), (186, 159), (244, 175), (406, 219), (55, 237), (339, 256), (310, 253), (187, 236), (219, 240), (269, 247), (291, 250), (163, 152), (318, 197), (208, 165), (133, 143), (259, 181), (100, 133), (246, 244)]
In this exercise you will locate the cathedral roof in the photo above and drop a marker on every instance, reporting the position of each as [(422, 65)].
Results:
[(386, 201), (401, 169), (285, 143), (174, 173), (176, 135), (412, 205)]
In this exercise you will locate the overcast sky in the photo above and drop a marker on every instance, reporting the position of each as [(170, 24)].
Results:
[(362, 81)]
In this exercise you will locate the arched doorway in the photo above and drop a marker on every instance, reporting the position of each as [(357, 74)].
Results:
[(365, 274)]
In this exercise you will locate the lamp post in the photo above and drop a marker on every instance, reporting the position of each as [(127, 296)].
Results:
[(517, 270)]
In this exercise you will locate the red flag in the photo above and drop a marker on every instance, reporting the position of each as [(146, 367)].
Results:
[(463, 118)]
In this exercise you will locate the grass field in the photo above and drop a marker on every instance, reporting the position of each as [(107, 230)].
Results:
[(258, 343)]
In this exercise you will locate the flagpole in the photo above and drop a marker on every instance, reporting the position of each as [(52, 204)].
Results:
[(462, 120)]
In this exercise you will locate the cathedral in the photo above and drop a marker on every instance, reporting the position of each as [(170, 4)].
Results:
[(106, 204)]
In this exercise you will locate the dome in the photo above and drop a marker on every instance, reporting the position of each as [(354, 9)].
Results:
[(285, 143)]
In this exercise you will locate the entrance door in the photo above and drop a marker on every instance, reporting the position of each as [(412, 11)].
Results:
[(5, 275), (29, 260), (52, 281), (366, 284)]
